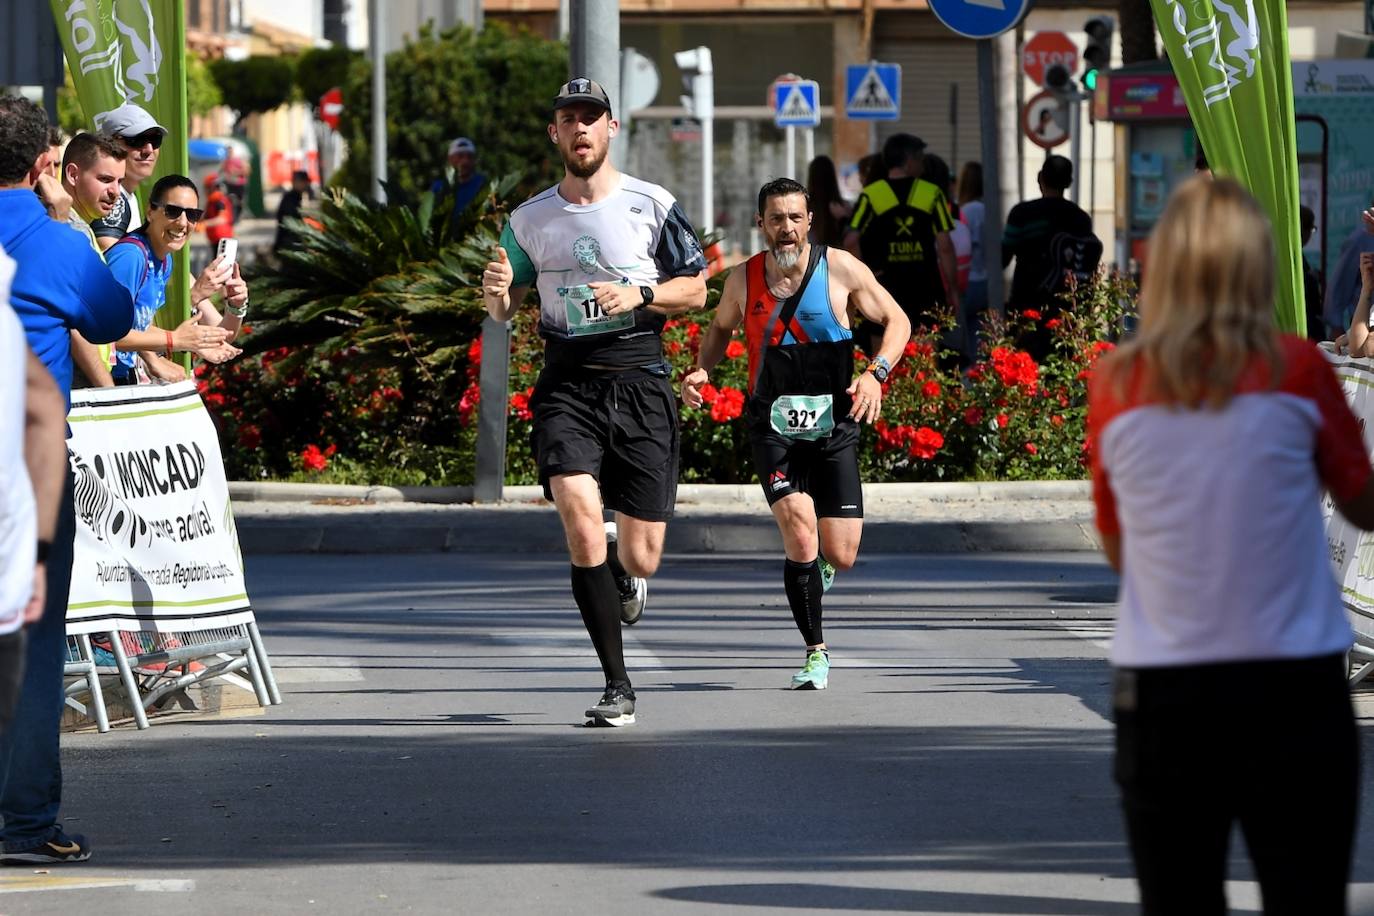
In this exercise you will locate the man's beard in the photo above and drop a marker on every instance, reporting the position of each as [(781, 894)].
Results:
[(786, 258), (578, 170)]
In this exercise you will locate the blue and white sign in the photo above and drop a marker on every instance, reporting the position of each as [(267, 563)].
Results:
[(980, 18), (873, 92), (797, 104)]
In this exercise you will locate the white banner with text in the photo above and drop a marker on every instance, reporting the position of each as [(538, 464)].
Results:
[(156, 547), (1352, 550)]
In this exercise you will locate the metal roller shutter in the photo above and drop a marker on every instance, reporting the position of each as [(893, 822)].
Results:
[(929, 67)]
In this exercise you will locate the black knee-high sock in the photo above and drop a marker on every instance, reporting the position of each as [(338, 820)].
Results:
[(804, 591), (598, 599), (613, 561)]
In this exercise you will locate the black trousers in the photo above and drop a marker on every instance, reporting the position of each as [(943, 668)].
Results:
[(11, 674), (1269, 744)]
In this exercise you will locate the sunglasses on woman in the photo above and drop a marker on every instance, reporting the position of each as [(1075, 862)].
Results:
[(151, 137), (173, 212)]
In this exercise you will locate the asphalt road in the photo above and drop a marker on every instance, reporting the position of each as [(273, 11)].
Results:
[(429, 756)]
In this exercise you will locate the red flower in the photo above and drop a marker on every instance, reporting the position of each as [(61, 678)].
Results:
[(926, 443), (329, 452), (312, 459), (734, 350), (1056, 420), (392, 394), (215, 400), (973, 416), (673, 347), (520, 406), (475, 351), (693, 331), (468, 403), (910, 349), (670, 324), (1032, 314), (709, 393), (1053, 323), (250, 436), (1003, 420), (931, 389), (1030, 447), (1016, 369), (728, 406)]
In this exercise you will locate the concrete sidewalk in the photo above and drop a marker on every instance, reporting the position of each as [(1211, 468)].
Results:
[(900, 518)]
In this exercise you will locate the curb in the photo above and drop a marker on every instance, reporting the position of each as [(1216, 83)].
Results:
[(497, 530), (688, 494)]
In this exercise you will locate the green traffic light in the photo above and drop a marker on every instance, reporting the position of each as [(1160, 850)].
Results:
[(1090, 80)]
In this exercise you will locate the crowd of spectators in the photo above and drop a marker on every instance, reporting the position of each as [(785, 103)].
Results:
[(84, 271)]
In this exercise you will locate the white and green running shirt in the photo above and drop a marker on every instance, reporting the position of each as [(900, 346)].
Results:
[(637, 236)]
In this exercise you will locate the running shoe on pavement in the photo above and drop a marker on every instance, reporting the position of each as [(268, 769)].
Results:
[(634, 591), (816, 674), (616, 708), (827, 573), (58, 849)]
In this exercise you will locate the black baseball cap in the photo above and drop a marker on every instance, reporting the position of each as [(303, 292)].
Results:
[(581, 90)]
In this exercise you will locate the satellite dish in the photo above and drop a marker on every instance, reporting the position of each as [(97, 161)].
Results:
[(638, 80)]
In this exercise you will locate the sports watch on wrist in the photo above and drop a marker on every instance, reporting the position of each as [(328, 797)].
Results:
[(646, 295), (880, 368)]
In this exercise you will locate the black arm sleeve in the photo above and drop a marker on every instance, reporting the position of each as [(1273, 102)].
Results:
[(679, 249)]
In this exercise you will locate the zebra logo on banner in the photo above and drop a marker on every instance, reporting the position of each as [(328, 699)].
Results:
[(1231, 53)]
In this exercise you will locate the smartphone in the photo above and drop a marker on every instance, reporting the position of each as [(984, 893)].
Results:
[(227, 252)]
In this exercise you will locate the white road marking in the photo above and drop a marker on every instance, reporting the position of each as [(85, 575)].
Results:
[(573, 644), (1097, 632), (315, 669), (23, 884)]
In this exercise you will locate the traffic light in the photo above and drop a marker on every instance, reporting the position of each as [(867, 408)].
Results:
[(1057, 79), (698, 78), (1098, 54)]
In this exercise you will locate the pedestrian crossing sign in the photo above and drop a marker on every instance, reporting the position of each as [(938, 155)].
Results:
[(797, 104), (873, 92)]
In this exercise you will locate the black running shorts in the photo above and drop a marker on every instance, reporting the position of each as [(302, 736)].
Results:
[(620, 427), (826, 469)]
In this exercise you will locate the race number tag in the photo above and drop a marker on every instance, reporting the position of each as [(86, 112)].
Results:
[(802, 416), (585, 315)]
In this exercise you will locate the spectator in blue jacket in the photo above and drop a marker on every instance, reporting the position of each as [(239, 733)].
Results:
[(60, 285)]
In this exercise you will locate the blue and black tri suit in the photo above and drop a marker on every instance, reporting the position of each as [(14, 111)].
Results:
[(803, 438)]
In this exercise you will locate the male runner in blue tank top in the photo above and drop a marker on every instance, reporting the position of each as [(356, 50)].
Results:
[(805, 405)]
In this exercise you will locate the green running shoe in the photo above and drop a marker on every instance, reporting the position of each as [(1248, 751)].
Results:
[(816, 674), (827, 573)]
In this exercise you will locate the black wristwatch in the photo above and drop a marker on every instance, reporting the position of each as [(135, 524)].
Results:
[(646, 295)]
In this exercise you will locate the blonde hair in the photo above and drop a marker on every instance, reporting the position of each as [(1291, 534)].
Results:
[(1206, 304)]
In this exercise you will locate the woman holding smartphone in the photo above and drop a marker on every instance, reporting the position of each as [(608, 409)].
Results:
[(1212, 437), (142, 263)]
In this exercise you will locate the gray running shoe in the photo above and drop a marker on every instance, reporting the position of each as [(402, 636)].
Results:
[(634, 591), (616, 708), (634, 594)]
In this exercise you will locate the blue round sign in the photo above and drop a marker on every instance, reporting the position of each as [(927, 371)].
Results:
[(980, 18)]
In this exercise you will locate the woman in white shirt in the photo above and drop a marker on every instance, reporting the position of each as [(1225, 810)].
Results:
[(1212, 437)]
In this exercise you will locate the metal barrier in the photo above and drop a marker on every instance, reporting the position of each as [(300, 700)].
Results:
[(154, 668)]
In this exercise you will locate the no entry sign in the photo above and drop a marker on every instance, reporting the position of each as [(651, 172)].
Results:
[(1044, 50)]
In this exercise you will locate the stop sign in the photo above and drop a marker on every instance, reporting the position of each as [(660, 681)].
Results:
[(1044, 50), (331, 105)]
